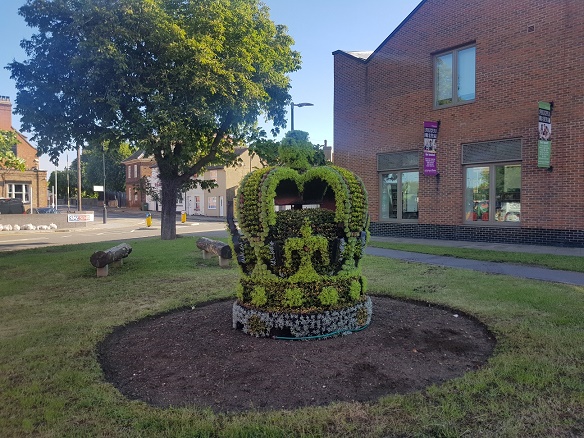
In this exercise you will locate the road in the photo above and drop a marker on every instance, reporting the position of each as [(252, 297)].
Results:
[(119, 226)]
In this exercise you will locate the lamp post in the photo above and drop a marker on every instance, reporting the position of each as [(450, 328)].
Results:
[(292, 105), (104, 200)]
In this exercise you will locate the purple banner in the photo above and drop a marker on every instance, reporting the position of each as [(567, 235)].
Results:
[(430, 136)]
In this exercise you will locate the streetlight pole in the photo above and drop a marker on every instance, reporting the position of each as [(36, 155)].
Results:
[(292, 105), (104, 201)]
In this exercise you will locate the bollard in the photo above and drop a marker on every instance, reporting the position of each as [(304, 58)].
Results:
[(183, 216), (148, 220)]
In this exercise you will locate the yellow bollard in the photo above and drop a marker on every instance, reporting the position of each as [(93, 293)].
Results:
[(148, 220), (183, 217)]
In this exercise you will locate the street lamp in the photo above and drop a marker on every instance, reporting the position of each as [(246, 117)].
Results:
[(104, 200), (292, 105)]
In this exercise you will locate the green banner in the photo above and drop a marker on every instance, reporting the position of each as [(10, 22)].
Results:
[(544, 144)]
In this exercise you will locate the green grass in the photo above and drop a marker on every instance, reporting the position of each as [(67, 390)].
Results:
[(551, 261), (54, 310)]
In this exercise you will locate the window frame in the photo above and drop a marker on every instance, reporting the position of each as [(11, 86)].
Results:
[(492, 200), (25, 191), (455, 55), (399, 201)]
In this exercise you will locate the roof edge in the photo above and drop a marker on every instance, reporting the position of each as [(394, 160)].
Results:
[(405, 20)]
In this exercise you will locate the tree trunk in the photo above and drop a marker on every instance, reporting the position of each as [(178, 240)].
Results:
[(216, 247), (168, 216), (101, 259)]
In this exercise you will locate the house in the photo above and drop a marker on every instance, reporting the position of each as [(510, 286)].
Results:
[(467, 122), (30, 185), (138, 166), (216, 200), (212, 202)]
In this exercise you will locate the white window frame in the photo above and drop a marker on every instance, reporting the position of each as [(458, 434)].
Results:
[(24, 195), (212, 205)]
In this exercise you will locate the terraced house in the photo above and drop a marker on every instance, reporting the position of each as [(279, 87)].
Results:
[(467, 122)]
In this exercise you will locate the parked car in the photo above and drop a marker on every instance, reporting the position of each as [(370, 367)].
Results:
[(42, 210), (11, 206)]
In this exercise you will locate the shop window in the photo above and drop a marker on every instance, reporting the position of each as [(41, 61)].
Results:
[(19, 191), (493, 193), (399, 195), (455, 77), (399, 182)]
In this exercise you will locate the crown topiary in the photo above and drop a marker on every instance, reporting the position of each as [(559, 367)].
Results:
[(302, 238)]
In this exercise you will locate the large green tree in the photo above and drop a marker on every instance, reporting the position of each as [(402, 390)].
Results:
[(294, 150), (186, 80), (8, 159)]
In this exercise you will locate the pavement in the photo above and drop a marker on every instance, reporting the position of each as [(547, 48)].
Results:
[(515, 270)]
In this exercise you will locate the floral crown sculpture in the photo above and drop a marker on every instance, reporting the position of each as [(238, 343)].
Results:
[(301, 276)]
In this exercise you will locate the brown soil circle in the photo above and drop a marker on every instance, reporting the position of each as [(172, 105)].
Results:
[(193, 357)]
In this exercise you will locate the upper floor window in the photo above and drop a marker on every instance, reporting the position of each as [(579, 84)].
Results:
[(455, 77)]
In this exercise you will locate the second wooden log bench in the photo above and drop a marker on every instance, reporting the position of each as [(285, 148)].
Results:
[(102, 259), (215, 247)]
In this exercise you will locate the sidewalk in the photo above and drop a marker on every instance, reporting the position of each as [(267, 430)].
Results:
[(522, 271)]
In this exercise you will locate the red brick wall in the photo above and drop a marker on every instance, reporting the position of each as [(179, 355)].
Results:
[(133, 182), (380, 105)]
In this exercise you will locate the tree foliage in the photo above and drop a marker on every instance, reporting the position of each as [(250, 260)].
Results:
[(8, 160), (183, 79), (294, 150)]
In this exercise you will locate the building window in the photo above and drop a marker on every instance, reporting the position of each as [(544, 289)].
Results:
[(399, 195), (213, 174), (135, 171), (19, 191), (398, 184), (492, 182), (197, 203), (493, 193), (455, 77), (212, 203)]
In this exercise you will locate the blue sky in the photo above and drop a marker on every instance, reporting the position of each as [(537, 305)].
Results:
[(319, 27)]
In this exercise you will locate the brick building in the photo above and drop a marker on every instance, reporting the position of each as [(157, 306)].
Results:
[(138, 166), (448, 122), (30, 185)]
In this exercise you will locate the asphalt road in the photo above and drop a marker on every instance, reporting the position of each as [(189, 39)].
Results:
[(119, 227)]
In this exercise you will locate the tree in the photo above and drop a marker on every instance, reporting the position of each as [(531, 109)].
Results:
[(183, 79), (93, 158), (8, 159), (294, 150)]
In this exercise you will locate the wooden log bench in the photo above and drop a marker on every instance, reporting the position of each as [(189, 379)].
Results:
[(102, 259), (215, 247)]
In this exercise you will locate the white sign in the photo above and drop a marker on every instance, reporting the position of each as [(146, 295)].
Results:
[(80, 217), (98, 188)]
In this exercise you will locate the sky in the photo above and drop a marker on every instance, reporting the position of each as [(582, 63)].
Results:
[(318, 27)]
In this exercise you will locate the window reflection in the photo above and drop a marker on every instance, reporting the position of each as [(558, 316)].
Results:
[(399, 195)]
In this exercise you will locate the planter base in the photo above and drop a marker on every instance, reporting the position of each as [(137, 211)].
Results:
[(290, 325)]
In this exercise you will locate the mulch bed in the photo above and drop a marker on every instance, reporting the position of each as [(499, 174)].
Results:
[(193, 357)]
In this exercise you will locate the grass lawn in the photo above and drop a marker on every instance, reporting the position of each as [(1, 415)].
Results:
[(54, 310)]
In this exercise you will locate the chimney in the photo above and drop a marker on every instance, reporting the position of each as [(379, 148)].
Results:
[(328, 152), (5, 113)]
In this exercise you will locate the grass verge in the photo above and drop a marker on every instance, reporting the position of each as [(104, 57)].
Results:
[(54, 310), (550, 261)]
